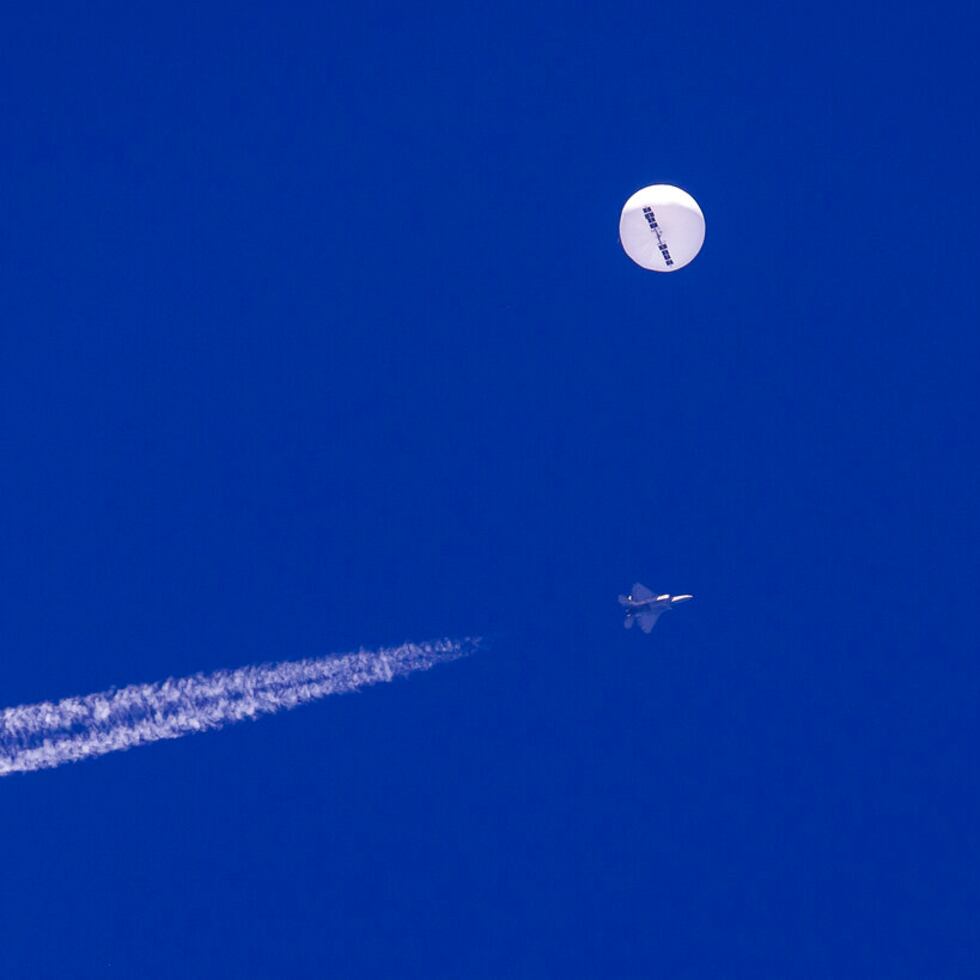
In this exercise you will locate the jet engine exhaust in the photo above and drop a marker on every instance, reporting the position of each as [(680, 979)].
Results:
[(49, 734)]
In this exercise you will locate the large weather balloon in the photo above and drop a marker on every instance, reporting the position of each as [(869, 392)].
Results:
[(661, 228)]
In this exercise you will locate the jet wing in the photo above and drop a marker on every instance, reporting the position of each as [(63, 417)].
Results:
[(647, 618), (641, 593)]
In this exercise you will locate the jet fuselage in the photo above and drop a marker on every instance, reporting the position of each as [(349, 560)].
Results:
[(664, 601)]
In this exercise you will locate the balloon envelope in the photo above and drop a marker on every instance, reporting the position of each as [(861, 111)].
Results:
[(661, 228)]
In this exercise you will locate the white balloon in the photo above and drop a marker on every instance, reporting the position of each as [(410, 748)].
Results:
[(661, 228)]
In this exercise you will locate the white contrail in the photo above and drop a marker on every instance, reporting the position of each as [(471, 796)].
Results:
[(40, 736)]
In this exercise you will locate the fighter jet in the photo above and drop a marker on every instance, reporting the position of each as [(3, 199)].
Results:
[(646, 608)]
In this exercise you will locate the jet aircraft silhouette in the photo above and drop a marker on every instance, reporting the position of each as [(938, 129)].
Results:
[(645, 608)]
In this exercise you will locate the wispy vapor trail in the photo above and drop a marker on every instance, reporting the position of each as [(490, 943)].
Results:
[(40, 736)]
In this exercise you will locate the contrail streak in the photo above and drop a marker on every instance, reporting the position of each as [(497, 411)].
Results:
[(41, 736)]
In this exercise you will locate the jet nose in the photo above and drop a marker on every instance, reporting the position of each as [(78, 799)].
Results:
[(680, 598)]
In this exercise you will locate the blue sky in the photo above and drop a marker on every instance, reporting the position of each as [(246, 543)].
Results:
[(317, 334)]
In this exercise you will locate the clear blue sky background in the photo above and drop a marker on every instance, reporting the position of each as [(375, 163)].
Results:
[(316, 332)]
